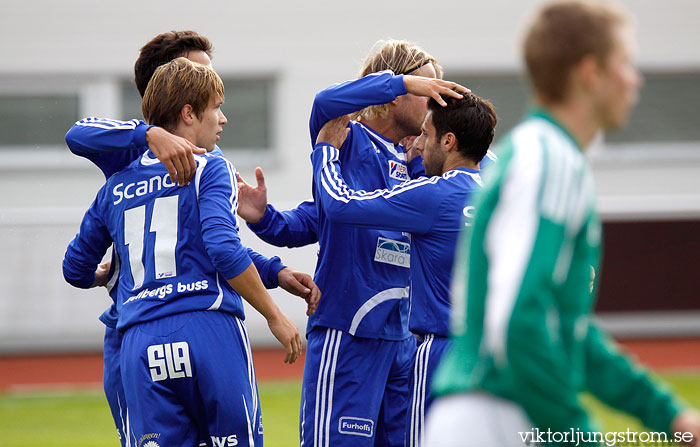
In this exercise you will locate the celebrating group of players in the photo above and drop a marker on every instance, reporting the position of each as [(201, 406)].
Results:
[(398, 156)]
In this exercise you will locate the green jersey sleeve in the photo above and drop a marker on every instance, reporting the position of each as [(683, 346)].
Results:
[(619, 382)]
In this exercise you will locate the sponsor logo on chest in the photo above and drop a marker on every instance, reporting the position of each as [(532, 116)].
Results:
[(398, 170), (153, 184), (393, 252)]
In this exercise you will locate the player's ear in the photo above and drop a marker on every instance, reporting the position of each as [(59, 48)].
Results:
[(586, 73), (449, 142), (187, 114)]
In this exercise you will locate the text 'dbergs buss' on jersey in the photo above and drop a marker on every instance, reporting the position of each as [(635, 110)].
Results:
[(163, 291)]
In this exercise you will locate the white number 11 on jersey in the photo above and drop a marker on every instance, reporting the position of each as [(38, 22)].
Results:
[(164, 220)]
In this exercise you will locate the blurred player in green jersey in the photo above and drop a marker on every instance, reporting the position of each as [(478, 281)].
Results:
[(525, 346)]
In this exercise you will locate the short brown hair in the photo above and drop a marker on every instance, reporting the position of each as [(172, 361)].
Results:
[(561, 35), (399, 56), (471, 119), (175, 84), (162, 49)]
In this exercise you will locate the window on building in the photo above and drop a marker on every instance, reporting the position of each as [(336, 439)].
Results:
[(36, 120), (248, 109), (667, 110), (507, 93)]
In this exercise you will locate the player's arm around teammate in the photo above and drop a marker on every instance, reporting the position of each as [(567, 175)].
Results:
[(297, 227), (113, 144), (170, 294), (408, 210), (94, 137)]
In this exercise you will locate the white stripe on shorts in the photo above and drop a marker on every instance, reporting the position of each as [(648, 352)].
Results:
[(324, 388), (125, 423), (251, 441), (251, 370), (420, 375)]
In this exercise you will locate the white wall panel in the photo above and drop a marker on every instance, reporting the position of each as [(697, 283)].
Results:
[(306, 46)]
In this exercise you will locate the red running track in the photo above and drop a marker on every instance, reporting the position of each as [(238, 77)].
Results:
[(18, 372)]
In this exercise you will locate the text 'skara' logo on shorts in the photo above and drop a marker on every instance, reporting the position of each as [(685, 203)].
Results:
[(356, 426), (393, 252), (398, 170)]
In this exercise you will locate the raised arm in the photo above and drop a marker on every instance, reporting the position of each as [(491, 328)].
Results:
[(374, 89), (112, 144), (351, 96)]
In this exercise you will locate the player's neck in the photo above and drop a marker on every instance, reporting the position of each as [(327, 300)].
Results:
[(578, 119), (455, 162), (186, 132), (386, 128)]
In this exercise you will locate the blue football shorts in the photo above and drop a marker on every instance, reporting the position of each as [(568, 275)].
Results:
[(112, 382), (190, 377), (430, 351), (354, 390)]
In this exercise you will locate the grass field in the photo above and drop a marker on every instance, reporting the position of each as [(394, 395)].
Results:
[(81, 418)]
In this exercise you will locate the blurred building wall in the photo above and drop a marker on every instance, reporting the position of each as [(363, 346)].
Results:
[(88, 49)]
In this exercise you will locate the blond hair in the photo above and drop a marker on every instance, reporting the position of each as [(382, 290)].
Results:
[(399, 56), (175, 84)]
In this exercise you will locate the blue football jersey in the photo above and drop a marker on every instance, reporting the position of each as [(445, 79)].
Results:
[(432, 209), (369, 161), (299, 226), (364, 293), (177, 245), (112, 145)]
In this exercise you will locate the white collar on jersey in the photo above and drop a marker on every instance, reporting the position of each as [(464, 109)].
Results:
[(401, 155), (146, 159)]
